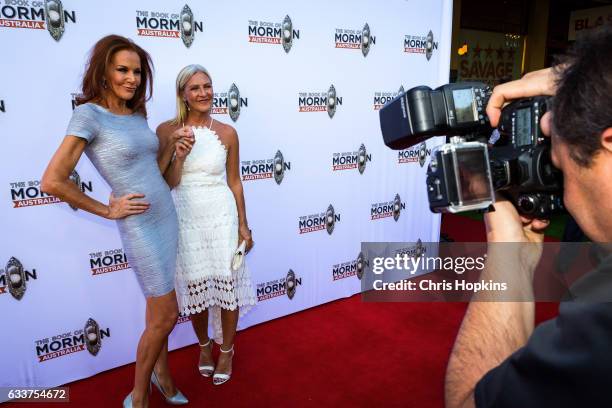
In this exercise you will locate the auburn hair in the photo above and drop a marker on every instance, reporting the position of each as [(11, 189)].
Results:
[(100, 58)]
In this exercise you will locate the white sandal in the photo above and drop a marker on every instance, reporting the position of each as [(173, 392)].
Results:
[(219, 378), (206, 370)]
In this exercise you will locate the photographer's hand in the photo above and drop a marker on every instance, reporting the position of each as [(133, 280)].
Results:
[(506, 225), (515, 247), (496, 325), (541, 82)]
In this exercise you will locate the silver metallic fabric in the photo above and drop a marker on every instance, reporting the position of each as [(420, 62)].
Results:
[(124, 150)]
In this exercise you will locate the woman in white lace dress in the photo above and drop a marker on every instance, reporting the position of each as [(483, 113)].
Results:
[(209, 199)]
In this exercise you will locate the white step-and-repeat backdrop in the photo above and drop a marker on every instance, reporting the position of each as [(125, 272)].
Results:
[(64, 271)]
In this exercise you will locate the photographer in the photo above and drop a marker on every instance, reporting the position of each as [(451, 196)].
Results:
[(498, 358)]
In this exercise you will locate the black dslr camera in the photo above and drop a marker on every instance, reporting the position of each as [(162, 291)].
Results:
[(465, 173)]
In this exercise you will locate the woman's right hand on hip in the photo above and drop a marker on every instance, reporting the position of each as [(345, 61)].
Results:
[(124, 206)]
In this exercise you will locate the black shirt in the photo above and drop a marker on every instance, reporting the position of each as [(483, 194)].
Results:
[(567, 361)]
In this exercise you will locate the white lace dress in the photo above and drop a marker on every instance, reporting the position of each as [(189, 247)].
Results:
[(208, 235)]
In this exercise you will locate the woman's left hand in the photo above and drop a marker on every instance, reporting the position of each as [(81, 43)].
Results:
[(245, 234)]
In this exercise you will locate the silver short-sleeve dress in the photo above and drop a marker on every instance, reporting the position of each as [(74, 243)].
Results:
[(124, 151)]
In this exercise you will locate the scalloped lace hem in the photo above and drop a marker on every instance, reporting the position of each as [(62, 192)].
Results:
[(215, 293)]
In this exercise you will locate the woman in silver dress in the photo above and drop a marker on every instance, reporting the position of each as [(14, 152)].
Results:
[(109, 125), (212, 220)]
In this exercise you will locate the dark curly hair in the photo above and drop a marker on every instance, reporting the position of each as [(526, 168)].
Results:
[(582, 106)]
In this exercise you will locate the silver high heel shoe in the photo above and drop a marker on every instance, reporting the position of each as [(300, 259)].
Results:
[(128, 403), (206, 370), (221, 378), (176, 399)]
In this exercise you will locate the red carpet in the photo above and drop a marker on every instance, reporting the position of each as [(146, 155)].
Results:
[(344, 353)]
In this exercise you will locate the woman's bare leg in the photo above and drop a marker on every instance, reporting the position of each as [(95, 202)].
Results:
[(162, 313), (229, 322), (162, 370), (199, 321)]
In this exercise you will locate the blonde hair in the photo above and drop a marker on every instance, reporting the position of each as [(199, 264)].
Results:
[(181, 80)]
